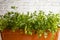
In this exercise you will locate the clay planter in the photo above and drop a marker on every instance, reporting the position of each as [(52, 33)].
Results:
[(19, 35)]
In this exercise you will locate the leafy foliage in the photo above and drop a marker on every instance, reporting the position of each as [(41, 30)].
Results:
[(38, 22)]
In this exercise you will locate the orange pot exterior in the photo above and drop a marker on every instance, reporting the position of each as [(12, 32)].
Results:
[(19, 35), (49, 37)]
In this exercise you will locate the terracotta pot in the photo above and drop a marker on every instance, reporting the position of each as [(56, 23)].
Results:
[(49, 37), (19, 35)]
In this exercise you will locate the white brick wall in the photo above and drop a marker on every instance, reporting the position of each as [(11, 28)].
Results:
[(30, 5)]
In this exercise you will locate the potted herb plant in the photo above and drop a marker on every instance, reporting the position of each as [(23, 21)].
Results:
[(35, 26)]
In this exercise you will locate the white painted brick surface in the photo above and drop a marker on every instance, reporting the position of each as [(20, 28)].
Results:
[(30, 5)]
